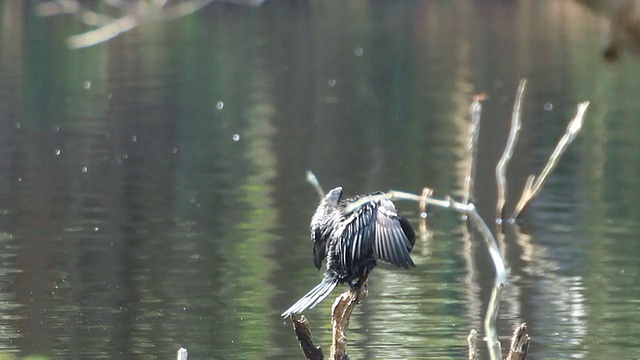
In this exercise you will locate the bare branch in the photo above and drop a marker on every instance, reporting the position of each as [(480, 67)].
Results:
[(501, 168), (340, 315), (531, 190)]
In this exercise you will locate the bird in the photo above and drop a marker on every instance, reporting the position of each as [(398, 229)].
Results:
[(353, 242)]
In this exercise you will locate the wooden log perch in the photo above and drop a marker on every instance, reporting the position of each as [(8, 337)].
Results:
[(303, 333), (519, 343), (340, 315)]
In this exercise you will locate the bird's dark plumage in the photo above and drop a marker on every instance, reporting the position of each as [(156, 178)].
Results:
[(353, 242)]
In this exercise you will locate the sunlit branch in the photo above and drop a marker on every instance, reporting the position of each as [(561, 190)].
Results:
[(501, 168), (472, 149), (534, 184)]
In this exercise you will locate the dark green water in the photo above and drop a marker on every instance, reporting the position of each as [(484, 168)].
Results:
[(153, 194)]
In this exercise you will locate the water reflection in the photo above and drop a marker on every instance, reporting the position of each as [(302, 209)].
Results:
[(152, 190)]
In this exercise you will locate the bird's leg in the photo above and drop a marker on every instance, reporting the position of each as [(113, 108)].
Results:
[(362, 280)]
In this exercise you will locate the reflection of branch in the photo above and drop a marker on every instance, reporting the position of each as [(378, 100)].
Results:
[(135, 13), (501, 168), (472, 148), (532, 188)]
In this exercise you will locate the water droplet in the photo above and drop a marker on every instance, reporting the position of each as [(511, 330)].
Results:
[(219, 105), (17, 125), (19, 179), (109, 95), (332, 82), (125, 156), (358, 51), (134, 138), (423, 215), (96, 229), (87, 85), (548, 106), (57, 151), (174, 150), (84, 169), (119, 161), (56, 128), (236, 137)]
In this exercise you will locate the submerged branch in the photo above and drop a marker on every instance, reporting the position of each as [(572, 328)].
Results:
[(532, 188), (501, 168)]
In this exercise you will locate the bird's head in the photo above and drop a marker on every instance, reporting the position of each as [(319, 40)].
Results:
[(333, 196)]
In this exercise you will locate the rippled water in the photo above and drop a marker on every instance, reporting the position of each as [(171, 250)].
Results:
[(153, 193)]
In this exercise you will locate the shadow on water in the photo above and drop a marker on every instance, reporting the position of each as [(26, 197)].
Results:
[(152, 190)]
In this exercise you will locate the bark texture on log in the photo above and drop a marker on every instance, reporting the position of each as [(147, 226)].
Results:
[(303, 333)]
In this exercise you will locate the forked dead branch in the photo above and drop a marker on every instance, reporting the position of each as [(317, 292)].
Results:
[(345, 303)]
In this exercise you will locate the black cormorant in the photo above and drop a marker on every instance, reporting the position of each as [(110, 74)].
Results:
[(353, 242)]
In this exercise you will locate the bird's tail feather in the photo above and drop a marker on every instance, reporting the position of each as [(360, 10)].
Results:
[(313, 297)]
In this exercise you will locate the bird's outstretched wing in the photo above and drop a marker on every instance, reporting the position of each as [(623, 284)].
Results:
[(376, 229), (394, 236)]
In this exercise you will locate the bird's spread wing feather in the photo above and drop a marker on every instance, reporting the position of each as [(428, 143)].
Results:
[(394, 236), (319, 246), (357, 235)]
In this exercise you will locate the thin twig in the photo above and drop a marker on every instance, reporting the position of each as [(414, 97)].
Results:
[(501, 168), (533, 188), (472, 149)]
